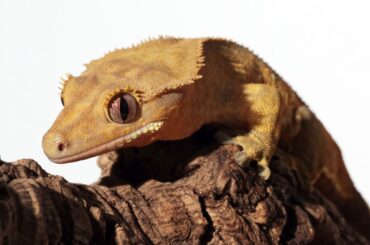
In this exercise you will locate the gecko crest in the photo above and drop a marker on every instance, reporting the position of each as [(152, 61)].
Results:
[(63, 83)]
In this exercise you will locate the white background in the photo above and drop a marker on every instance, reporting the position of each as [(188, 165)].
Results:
[(320, 47)]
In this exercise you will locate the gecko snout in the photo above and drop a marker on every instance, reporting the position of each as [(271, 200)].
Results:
[(54, 145)]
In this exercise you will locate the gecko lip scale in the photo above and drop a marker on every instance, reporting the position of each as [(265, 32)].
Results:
[(106, 147)]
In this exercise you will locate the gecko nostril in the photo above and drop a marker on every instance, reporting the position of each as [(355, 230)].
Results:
[(60, 147)]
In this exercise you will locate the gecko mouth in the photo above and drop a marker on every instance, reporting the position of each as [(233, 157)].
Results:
[(150, 128)]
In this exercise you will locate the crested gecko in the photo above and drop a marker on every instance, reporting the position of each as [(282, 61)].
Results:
[(167, 88)]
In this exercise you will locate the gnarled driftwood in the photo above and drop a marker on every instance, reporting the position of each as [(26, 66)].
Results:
[(188, 192)]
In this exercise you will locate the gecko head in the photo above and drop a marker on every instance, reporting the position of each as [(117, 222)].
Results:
[(128, 98)]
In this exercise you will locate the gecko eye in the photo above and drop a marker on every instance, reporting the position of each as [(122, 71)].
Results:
[(122, 108)]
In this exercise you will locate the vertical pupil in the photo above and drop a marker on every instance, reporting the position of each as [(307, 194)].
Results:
[(123, 107)]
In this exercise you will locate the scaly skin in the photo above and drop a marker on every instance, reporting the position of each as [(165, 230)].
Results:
[(182, 84)]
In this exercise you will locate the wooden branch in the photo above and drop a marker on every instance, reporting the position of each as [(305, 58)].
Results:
[(168, 193)]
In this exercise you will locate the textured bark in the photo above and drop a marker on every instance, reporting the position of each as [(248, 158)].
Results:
[(188, 192)]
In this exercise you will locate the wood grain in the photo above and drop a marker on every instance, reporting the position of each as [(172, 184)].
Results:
[(186, 192)]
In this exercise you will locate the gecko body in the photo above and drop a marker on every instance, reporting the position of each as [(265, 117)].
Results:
[(166, 89)]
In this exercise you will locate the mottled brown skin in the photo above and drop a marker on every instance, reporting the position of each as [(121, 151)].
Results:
[(182, 84)]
